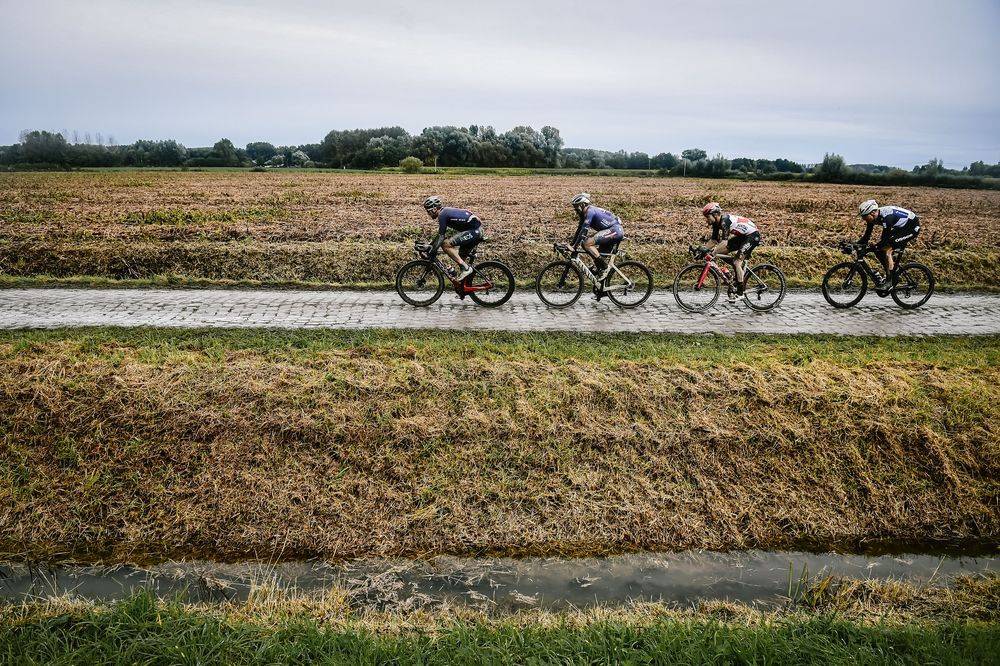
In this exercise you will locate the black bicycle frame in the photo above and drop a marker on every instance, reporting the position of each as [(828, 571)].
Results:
[(859, 261)]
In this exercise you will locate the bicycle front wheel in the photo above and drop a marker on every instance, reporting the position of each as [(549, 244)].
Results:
[(496, 282), (419, 283), (629, 284), (914, 285), (844, 285), (559, 284), (693, 294), (765, 287)]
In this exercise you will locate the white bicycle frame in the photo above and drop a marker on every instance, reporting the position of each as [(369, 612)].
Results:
[(580, 264)]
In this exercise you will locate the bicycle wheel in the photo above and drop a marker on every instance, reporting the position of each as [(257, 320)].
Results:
[(765, 287), (419, 282), (692, 297), (844, 285), (497, 274), (559, 284), (629, 284), (914, 285)]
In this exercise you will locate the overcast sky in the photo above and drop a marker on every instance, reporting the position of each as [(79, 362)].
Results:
[(889, 82)]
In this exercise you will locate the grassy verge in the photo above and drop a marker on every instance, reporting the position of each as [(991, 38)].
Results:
[(354, 263), (224, 445), (882, 628)]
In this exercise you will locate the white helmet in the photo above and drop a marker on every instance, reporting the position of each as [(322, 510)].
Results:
[(432, 202), (581, 200), (867, 207)]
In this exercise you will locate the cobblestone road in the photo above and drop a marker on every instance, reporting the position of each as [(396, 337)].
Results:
[(801, 312)]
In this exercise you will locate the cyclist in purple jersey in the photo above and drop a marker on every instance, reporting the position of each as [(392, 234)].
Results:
[(899, 227), (459, 245), (608, 228)]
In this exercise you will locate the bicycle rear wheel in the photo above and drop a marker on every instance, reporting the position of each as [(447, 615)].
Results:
[(844, 285), (692, 297), (914, 285), (629, 284), (765, 287), (496, 274), (559, 285), (419, 283)]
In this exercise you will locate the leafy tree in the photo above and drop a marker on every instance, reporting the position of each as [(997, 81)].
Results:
[(638, 161), (261, 151), (553, 146), (42, 146), (225, 152), (934, 167), (665, 161), (787, 166), (833, 167), (694, 154)]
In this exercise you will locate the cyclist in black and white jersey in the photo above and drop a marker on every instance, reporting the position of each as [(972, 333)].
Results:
[(899, 227), (459, 245), (736, 237)]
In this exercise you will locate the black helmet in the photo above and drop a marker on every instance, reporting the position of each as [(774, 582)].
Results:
[(431, 203)]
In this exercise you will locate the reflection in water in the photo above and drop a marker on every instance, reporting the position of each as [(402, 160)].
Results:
[(753, 576)]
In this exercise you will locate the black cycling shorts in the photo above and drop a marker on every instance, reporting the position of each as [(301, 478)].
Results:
[(466, 240), (899, 238), (743, 245)]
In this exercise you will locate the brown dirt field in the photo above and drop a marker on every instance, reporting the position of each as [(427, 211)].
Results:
[(234, 445), (309, 226)]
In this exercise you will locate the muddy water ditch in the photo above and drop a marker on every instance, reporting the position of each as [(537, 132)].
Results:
[(680, 578)]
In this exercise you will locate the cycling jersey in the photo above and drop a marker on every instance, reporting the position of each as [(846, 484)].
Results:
[(458, 219), (892, 219), (597, 219), (739, 226), (732, 224), (894, 216)]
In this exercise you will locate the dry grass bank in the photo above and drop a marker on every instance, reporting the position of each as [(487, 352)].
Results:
[(232, 444)]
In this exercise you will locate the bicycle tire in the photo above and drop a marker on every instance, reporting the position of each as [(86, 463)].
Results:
[(711, 279), (764, 268), (431, 269), (901, 273), (853, 271), (507, 273), (647, 285), (572, 271)]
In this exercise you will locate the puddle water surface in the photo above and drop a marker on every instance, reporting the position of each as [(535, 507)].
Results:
[(754, 576)]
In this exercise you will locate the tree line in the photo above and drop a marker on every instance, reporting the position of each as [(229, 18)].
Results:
[(450, 146)]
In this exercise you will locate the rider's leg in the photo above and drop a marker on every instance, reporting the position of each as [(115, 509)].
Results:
[(885, 257), (453, 247), (452, 252), (591, 247), (738, 266)]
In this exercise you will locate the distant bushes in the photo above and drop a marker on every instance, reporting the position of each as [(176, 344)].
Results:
[(411, 165), (473, 147)]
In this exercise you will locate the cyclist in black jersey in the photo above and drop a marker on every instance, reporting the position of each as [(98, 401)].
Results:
[(459, 245)]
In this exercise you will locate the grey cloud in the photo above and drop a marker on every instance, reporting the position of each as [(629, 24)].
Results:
[(891, 82)]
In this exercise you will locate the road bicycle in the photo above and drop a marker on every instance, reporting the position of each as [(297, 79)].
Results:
[(420, 282), (698, 285), (846, 284), (560, 284)]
